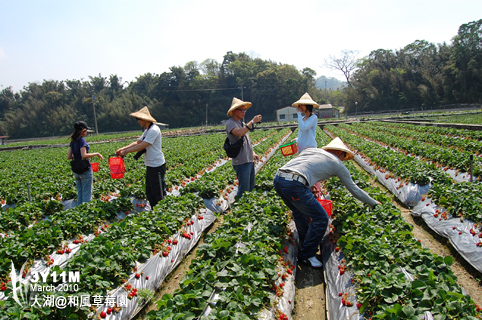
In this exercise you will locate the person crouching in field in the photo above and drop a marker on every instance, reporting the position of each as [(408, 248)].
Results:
[(293, 183)]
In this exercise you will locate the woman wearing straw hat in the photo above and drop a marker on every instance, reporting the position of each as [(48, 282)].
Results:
[(79, 150), (293, 184), (307, 122), (151, 141), (243, 163)]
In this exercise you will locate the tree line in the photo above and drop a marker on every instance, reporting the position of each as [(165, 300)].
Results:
[(185, 96), (420, 75)]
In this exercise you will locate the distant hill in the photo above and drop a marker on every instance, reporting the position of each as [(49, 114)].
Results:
[(329, 83)]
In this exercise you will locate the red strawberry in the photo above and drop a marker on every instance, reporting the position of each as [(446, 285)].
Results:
[(138, 276), (103, 314), (109, 311)]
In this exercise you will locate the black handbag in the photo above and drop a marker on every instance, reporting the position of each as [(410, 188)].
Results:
[(232, 150), (80, 166)]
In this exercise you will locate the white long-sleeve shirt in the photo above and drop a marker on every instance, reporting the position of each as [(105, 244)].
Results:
[(316, 164), (306, 132)]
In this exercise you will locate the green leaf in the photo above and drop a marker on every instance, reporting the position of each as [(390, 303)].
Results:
[(408, 311)]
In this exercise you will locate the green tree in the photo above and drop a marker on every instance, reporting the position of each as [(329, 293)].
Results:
[(467, 62)]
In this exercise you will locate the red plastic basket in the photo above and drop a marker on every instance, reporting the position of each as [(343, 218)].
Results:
[(95, 166), (327, 205), (117, 168), (289, 149)]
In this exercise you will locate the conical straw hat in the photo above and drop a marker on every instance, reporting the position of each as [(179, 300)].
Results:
[(306, 99), (337, 144), (143, 114), (236, 104)]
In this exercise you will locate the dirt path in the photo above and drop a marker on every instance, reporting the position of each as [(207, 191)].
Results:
[(310, 294), (468, 277)]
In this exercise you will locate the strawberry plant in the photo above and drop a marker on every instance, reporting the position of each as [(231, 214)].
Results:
[(376, 245), (242, 275)]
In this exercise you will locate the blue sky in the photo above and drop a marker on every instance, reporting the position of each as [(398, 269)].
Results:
[(74, 39)]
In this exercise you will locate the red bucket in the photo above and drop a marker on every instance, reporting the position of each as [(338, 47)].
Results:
[(289, 149), (95, 166), (327, 205), (117, 168)]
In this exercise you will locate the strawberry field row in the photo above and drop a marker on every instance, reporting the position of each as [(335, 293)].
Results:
[(444, 131), (453, 210), (376, 268), (141, 250), (44, 237), (53, 176), (410, 169), (442, 138), (442, 155), (22, 242), (239, 272)]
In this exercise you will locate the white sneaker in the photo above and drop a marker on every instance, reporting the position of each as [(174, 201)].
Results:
[(314, 262)]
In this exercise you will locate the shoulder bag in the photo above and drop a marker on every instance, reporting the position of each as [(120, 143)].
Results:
[(232, 150), (79, 166)]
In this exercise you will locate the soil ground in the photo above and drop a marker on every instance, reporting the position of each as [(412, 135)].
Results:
[(310, 301)]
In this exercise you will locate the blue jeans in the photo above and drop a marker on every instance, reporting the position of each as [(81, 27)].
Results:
[(245, 173), (84, 186), (304, 205)]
